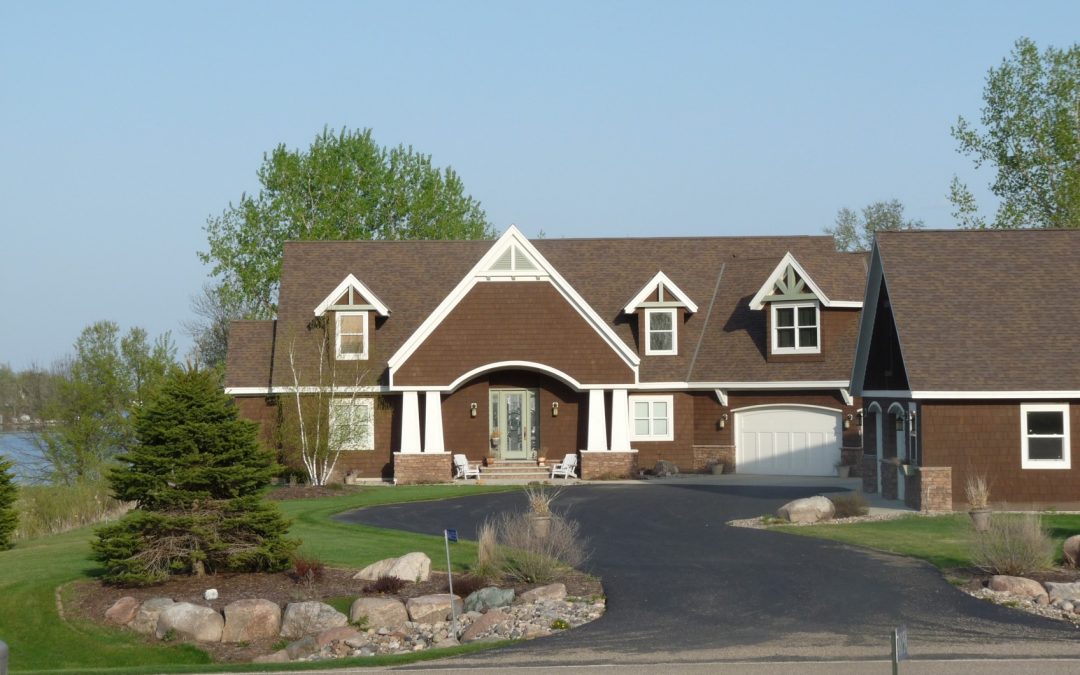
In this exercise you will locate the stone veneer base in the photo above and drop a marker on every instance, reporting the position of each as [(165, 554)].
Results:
[(412, 468), (608, 464), (935, 488)]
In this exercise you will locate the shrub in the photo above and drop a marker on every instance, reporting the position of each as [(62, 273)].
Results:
[(977, 490), (1014, 545), (527, 553), (9, 518), (540, 499), (560, 624), (850, 505), (467, 584), (307, 568), (385, 585)]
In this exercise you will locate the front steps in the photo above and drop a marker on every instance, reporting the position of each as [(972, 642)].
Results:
[(525, 470)]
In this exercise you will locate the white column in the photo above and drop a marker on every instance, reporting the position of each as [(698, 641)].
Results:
[(597, 433), (410, 422), (620, 421), (433, 435)]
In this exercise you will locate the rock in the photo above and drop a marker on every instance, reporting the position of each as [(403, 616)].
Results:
[(1066, 606), (410, 567), (146, 618), (665, 468), (432, 608), (1059, 591), (309, 618), (305, 646), (534, 631), (210, 594), (549, 592), (489, 597), (191, 622), (247, 620), (122, 611), (378, 612), (484, 625), (1071, 549), (1042, 600), (1027, 588), (339, 634), (807, 510), (280, 656), (446, 642)]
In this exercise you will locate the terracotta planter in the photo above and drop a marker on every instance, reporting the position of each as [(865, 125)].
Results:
[(843, 471), (717, 469), (980, 518), (540, 525)]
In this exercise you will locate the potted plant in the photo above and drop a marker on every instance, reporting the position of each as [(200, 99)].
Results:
[(842, 470), (977, 491)]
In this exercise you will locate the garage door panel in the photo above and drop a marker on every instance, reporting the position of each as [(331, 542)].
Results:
[(788, 441)]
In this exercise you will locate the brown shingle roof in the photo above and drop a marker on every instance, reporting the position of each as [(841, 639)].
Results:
[(985, 310), (251, 348), (413, 277)]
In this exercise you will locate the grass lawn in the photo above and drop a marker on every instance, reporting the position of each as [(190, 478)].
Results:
[(39, 639), (944, 541)]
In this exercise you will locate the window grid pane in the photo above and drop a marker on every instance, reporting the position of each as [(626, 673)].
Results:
[(1045, 448), (808, 337), (785, 317), (1048, 423), (807, 316)]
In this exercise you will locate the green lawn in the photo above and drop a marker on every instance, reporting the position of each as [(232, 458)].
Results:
[(31, 573), (944, 541)]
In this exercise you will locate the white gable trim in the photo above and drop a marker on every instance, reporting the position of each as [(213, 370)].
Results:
[(660, 279), (355, 284), (758, 301), (482, 271)]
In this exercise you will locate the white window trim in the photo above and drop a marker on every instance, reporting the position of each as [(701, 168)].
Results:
[(1066, 442), (362, 356), (367, 441), (670, 401), (674, 332), (796, 349)]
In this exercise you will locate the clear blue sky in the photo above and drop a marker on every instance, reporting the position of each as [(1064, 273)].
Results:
[(124, 125)]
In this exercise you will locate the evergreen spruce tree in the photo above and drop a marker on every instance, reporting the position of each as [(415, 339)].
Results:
[(9, 517), (196, 474)]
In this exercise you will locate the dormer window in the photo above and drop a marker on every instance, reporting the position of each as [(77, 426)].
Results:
[(660, 331), (796, 328), (352, 336)]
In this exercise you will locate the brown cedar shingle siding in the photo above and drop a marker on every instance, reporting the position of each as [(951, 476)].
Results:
[(985, 310)]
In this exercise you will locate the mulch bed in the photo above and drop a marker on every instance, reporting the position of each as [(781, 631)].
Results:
[(973, 578), (87, 600)]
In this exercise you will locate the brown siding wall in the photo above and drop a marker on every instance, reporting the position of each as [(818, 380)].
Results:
[(984, 436), (256, 409), (513, 321)]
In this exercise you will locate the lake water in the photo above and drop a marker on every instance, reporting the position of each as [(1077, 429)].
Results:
[(20, 448)]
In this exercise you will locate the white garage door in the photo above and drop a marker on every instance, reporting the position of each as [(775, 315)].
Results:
[(787, 441)]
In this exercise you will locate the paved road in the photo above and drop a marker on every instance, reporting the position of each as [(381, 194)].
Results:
[(685, 588)]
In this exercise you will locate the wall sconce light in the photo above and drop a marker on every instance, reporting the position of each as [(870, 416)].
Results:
[(472, 409), (722, 422), (554, 408), (847, 421), (900, 421), (911, 418), (860, 414)]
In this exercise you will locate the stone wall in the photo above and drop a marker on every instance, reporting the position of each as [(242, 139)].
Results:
[(707, 455), (869, 474), (422, 467), (935, 488), (888, 480), (605, 464)]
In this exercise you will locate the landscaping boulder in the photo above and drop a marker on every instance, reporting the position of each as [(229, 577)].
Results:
[(489, 597), (146, 618), (305, 646), (248, 620), (339, 634), (432, 608), (309, 618), (1021, 586), (378, 612), (190, 622), (410, 567), (280, 656), (484, 625), (665, 468), (807, 510), (1071, 549), (549, 592), (122, 611), (1064, 592)]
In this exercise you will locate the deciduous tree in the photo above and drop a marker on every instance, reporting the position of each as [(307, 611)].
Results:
[(855, 231)]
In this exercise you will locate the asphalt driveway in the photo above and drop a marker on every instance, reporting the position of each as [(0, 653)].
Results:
[(684, 587)]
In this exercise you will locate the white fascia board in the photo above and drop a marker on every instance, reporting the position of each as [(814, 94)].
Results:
[(267, 391), (992, 395), (758, 301), (358, 286), (512, 236), (735, 386), (651, 286)]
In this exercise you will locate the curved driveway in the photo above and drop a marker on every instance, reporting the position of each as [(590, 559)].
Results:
[(682, 586)]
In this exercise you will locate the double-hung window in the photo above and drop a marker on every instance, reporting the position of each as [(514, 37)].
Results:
[(660, 337), (1044, 436), (651, 418), (352, 424), (352, 335), (796, 328)]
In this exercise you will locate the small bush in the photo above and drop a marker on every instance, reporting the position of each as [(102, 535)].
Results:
[(307, 568), (1014, 545), (540, 499), (560, 624), (529, 554), (385, 585), (850, 505), (977, 490), (467, 584)]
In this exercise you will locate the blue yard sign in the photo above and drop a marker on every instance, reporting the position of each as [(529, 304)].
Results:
[(451, 535)]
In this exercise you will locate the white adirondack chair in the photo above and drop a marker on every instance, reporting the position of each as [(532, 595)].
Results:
[(462, 468), (566, 468)]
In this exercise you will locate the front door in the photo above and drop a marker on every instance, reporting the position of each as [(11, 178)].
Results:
[(514, 432)]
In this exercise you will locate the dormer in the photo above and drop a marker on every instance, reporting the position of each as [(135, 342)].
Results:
[(794, 303), (659, 306), (352, 304)]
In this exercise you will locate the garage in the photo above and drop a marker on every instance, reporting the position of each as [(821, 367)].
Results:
[(787, 441)]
